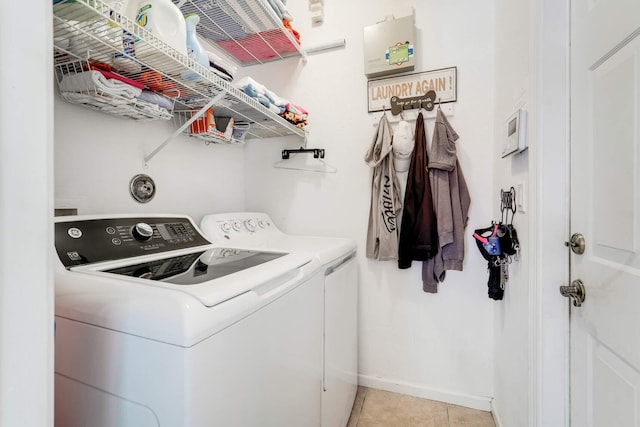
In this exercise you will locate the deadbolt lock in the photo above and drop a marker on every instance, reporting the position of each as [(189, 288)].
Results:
[(576, 243)]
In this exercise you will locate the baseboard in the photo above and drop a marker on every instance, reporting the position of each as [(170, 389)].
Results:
[(482, 403), (496, 414)]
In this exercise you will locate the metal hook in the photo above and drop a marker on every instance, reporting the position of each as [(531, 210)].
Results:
[(514, 206), (507, 203)]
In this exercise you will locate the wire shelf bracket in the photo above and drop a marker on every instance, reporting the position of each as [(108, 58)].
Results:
[(182, 128)]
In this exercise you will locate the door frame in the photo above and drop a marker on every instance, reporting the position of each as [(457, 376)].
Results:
[(550, 186), (26, 217)]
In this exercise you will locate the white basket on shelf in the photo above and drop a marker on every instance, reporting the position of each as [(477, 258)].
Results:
[(110, 93), (207, 127)]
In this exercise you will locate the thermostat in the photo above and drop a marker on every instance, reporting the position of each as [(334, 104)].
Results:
[(516, 133)]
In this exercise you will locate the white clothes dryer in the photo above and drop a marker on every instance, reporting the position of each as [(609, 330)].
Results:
[(256, 231), (156, 326)]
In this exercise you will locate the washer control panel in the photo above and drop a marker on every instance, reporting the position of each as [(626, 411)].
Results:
[(87, 241)]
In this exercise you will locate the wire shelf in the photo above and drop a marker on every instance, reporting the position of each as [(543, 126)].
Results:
[(248, 30), (87, 30)]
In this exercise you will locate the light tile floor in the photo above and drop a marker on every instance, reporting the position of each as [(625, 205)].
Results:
[(377, 408)]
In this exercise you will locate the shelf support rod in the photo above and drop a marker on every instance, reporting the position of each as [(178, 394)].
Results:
[(181, 129), (326, 46)]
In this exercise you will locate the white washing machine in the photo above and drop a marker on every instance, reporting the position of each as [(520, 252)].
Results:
[(256, 231), (155, 326)]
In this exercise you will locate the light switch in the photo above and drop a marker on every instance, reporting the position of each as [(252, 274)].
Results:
[(521, 197)]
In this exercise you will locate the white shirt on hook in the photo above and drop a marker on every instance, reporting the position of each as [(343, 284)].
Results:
[(403, 143)]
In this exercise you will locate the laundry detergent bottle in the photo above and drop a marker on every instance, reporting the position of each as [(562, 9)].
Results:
[(164, 20), (194, 48)]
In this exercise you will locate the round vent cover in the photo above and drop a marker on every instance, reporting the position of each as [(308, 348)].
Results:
[(142, 188)]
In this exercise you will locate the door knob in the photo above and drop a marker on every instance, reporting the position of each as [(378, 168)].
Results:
[(575, 291)]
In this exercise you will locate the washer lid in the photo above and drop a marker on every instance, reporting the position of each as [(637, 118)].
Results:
[(197, 267), (215, 275)]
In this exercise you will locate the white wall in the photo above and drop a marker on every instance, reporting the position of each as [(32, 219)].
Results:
[(531, 325), (26, 160), (96, 155), (512, 91), (438, 346)]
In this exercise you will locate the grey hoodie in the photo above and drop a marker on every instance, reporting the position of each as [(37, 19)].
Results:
[(451, 202), (382, 233)]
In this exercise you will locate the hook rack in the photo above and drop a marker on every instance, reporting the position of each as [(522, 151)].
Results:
[(507, 203), (426, 101)]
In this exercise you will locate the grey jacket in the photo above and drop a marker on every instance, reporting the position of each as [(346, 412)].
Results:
[(451, 202), (382, 233)]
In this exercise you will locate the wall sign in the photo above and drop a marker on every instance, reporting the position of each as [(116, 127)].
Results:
[(443, 82)]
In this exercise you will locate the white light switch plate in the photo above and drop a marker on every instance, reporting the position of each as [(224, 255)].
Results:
[(521, 197)]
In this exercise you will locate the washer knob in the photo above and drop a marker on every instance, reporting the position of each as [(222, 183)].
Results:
[(142, 232), (226, 227), (237, 225)]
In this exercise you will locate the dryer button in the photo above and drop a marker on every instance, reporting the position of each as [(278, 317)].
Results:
[(250, 225)]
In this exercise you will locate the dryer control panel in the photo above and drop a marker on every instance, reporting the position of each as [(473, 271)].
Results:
[(87, 241), (240, 228)]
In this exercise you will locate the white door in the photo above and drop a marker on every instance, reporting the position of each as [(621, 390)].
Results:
[(605, 208)]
